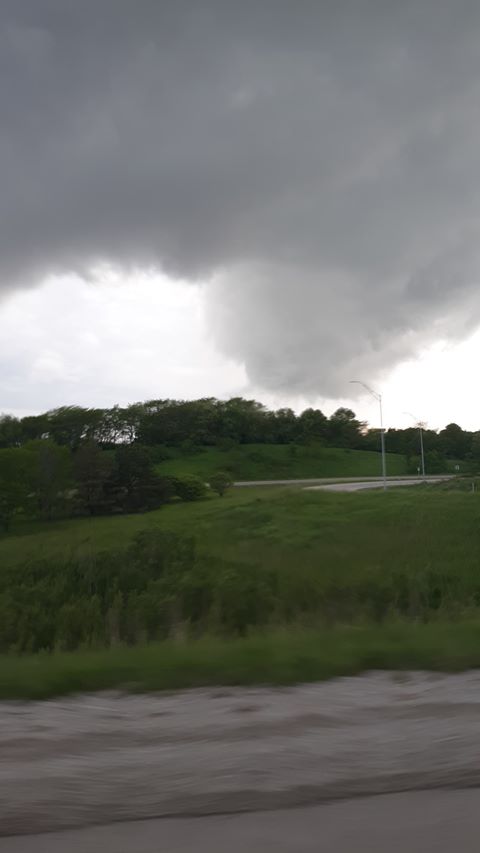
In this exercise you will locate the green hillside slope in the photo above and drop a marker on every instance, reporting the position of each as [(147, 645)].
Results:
[(280, 461)]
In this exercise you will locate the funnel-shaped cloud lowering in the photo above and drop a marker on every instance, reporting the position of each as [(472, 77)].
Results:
[(315, 162)]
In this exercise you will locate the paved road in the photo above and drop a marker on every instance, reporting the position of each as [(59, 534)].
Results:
[(374, 484), (310, 481), (420, 822)]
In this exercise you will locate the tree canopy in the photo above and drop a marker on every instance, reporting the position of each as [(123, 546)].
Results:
[(101, 460), (211, 422)]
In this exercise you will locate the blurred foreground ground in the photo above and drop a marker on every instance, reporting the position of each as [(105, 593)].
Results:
[(420, 822), (105, 758)]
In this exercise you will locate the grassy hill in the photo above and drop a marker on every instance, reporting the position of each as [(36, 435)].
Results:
[(417, 527), (334, 583), (280, 461)]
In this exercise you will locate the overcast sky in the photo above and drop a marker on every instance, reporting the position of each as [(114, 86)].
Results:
[(267, 197)]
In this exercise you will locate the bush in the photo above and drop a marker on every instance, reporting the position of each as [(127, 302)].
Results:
[(188, 487), (220, 482)]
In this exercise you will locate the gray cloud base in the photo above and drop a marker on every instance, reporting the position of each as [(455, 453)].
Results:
[(315, 162)]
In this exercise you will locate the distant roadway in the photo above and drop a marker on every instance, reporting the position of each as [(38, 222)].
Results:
[(374, 484), (347, 484)]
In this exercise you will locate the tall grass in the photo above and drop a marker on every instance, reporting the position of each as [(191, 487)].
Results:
[(282, 657), (278, 585), (296, 559)]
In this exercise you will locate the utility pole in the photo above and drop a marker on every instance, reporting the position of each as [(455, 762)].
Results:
[(378, 398), (421, 427)]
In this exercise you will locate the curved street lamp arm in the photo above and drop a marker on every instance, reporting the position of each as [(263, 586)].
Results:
[(367, 388)]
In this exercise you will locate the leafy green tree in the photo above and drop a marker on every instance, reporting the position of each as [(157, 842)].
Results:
[(131, 418), (172, 422), (93, 469), (51, 476), (15, 471), (34, 427), (285, 426), (475, 450), (454, 441), (135, 483), (246, 421), (220, 482), (70, 425), (312, 426), (118, 426), (344, 429), (10, 431)]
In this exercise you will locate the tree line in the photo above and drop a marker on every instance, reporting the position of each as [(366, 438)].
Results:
[(73, 460), (42, 479), (188, 424)]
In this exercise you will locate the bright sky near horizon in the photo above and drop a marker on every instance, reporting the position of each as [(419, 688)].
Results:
[(144, 336)]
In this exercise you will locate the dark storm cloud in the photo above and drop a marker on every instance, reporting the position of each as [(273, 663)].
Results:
[(316, 161)]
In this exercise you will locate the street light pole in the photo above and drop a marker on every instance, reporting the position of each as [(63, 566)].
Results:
[(420, 426), (382, 440), (378, 398), (421, 451)]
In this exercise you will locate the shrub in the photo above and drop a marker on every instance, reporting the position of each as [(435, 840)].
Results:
[(220, 482), (188, 487)]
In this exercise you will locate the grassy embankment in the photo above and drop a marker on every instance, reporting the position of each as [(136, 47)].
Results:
[(354, 582), (280, 462)]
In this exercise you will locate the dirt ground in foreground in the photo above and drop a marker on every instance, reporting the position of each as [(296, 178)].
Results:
[(107, 757)]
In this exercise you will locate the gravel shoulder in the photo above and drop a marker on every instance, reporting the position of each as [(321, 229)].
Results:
[(105, 758)]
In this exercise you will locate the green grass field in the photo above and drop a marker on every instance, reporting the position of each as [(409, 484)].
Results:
[(356, 581), (287, 657), (277, 461), (89, 535), (418, 527)]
